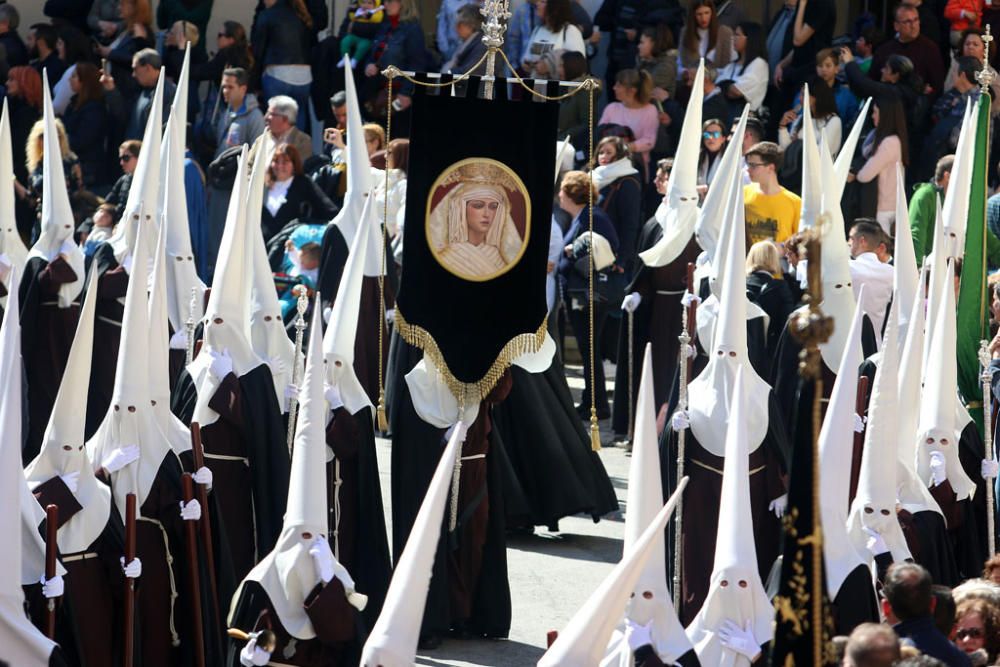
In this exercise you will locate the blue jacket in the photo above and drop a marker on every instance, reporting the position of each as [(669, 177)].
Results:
[(925, 637), (580, 225), (402, 46)]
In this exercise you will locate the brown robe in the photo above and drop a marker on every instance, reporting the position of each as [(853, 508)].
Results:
[(108, 314), (370, 319)]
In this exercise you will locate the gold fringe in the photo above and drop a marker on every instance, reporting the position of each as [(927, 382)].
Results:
[(595, 432), (380, 415), (527, 343)]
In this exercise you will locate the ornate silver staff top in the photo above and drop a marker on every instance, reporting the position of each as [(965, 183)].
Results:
[(985, 76), (496, 14)]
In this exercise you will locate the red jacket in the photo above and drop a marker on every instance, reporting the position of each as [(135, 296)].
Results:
[(953, 12)]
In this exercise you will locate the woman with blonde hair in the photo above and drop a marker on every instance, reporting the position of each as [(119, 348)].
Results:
[(767, 288), (374, 138), (36, 151)]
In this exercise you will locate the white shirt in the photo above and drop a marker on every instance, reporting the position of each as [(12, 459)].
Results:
[(276, 195), (876, 277), (751, 80), (544, 40)]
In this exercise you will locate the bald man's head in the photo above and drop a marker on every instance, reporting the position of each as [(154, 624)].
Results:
[(872, 645)]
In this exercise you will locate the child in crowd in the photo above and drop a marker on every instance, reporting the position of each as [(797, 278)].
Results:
[(104, 221), (304, 270), (363, 21)]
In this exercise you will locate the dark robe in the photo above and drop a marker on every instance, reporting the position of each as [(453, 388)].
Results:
[(855, 602), (657, 321), (358, 529), (337, 642), (552, 472), (645, 656), (108, 313), (47, 333), (246, 450), (930, 545), (768, 465), (416, 450)]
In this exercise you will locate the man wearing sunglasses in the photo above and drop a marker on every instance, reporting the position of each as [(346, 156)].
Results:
[(772, 212)]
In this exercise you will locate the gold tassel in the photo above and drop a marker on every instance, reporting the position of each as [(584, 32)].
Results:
[(595, 432), (383, 421)]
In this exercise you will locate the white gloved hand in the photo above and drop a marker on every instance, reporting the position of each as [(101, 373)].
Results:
[(120, 457), (680, 421), (291, 393), (68, 246), (939, 468), (390, 315), (876, 543), (989, 469), (52, 588), (222, 364), (690, 298), (638, 635), (133, 570), (322, 558), (190, 511), (859, 423), (740, 640), (252, 655), (689, 352), (779, 505), (179, 341), (127, 263), (631, 302), (72, 480), (333, 397), (462, 427), (327, 312), (203, 476)]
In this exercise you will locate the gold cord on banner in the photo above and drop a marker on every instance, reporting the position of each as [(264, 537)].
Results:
[(381, 418), (524, 343)]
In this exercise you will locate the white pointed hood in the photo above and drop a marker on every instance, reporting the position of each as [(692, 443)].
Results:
[(714, 211), (338, 345), (836, 443), (583, 639), (11, 244), (874, 505), (710, 394), (678, 212), (159, 350), (288, 574), (938, 429), (906, 277), (63, 451), (735, 592), (227, 317), (23, 643), (350, 218), (651, 599), (268, 337), (56, 223), (130, 420), (393, 640), (182, 274), (143, 195), (812, 182), (956, 200)]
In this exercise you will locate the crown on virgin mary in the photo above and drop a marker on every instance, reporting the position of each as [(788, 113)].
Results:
[(483, 171)]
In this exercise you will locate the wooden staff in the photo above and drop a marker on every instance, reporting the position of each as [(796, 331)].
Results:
[(51, 527), (129, 583), (198, 451), (187, 487), (686, 339), (859, 439)]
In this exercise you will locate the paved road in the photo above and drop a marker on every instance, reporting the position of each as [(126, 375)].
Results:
[(551, 574)]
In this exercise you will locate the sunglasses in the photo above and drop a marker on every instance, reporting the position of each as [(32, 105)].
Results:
[(712, 135), (970, 633), (124, 158)]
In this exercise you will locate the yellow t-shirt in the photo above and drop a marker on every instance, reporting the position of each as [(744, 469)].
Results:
[(771, 217)]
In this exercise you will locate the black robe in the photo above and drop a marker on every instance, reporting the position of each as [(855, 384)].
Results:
[(855, 602), (108, 314), (657, 321), (47, 333)]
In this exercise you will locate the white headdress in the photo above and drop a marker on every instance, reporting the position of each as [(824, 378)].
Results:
[(11, 244)]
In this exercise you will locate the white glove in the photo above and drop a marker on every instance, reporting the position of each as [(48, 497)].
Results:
[(72, 480), (120, 457), (740, 640), (690, 298), (631, 302), (133, 570), (680, 421), (876, 543), (390, 315), (252, 655), (989, 469), (939, 468), (203, 476), (638, 635), (322, 558), (179, 341), (52, 588), (689, 352), (779, 505), (327, 312), (859, 423), (222, 364), (332, 395), (126, 263), (291, 392), (463, 429), (68, 246), (190, 511)]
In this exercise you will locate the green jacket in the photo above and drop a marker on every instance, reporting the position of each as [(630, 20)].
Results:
[(923, 210)]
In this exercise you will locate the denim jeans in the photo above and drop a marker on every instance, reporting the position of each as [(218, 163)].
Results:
[(273, 86)]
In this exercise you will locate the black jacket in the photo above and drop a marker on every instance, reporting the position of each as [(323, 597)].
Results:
[(402, 46), (17, 52), (280, 38), (22, 117), (211, 71), (622, 201), (303, 201), (86, 128), (775, 298)]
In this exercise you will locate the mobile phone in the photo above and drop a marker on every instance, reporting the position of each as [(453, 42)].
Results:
[(105, 67)]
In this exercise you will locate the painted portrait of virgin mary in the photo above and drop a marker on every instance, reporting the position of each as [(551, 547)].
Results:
[(477, 224)]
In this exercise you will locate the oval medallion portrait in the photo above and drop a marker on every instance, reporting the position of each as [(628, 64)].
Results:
[(478, 219)]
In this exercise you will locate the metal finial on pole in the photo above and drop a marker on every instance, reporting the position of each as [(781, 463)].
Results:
[(496, 14), (189, 327), (987, 380), (986, 75), (301, 305)]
